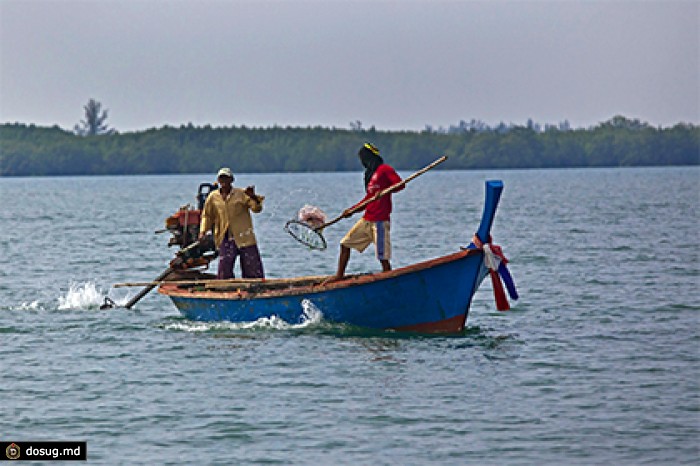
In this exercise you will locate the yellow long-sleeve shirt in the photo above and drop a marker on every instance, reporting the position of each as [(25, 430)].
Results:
[(232, 215)]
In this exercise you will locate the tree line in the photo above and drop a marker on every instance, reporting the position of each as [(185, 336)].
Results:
[(28, 150)]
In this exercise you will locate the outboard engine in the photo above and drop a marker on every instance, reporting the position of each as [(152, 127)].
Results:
[(203, 193), (183, 226)]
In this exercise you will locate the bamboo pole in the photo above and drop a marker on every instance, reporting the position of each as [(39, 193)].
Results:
[(229, 281)]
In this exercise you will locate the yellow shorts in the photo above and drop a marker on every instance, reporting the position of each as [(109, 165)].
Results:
[(364, 232)]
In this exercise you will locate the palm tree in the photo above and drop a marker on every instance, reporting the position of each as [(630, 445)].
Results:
[(94, 122)]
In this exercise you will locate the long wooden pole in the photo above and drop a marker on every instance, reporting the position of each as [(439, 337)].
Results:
[(229, 281), (148, 288), (386, 191)]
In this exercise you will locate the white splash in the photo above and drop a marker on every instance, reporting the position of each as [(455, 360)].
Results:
[(34, 305), (273, 322), (310, 316), (81, 296)]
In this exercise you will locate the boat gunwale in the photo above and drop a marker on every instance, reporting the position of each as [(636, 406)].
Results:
[(241, 294)]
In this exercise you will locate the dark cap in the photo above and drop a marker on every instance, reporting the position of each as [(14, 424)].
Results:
[(369, 149)]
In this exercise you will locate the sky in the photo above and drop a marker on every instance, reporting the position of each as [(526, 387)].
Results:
[(394, 65)]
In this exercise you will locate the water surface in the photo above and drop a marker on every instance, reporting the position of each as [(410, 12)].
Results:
[(596, 364)]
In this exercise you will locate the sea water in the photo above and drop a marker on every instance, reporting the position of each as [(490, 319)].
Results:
[(597, 363)]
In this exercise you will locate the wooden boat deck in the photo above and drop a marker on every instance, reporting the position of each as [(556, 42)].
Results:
[(205, 285)]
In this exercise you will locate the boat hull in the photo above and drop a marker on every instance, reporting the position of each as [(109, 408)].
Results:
[(432, 296)]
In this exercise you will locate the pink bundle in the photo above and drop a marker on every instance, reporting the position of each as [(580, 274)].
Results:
[(313, 216)]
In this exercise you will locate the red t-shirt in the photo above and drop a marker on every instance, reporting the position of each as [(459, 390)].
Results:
[(379, 210)]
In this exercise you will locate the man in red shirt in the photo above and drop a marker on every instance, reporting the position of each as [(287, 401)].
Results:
[(374, 226)]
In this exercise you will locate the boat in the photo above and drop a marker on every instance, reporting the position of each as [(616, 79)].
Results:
[(432, 296)]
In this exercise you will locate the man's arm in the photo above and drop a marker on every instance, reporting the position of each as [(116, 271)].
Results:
[(207, 221), (254, 201)]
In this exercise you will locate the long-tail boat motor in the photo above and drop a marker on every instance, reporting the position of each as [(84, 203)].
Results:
[(183, 225), (197, 254)]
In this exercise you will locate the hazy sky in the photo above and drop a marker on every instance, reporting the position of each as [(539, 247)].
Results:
[(394, 65)]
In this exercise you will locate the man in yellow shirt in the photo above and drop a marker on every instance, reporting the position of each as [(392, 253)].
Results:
[(227, 213)]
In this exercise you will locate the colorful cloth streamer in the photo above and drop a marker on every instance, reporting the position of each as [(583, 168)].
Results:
[(495, 261), (492, 261)]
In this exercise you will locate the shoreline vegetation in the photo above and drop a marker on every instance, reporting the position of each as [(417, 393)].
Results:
[(29, 150)]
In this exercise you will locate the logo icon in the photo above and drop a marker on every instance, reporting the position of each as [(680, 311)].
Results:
[(12, 451)]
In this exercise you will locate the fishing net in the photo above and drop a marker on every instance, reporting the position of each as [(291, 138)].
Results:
[(308, 226), (311, 220)]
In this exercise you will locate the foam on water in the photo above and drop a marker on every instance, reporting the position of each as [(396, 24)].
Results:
[(29, 306), (311, 316)]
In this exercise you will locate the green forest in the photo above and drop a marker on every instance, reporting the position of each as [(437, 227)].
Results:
[(28, 150)]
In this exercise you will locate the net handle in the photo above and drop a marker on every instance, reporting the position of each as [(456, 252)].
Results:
[(383, 193)]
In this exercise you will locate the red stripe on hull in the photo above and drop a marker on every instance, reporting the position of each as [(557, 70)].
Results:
[(452, 325)]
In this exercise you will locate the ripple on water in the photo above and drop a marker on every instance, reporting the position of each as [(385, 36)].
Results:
[(597, 363)]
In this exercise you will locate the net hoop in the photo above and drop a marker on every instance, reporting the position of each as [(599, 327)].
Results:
[(306, 234)]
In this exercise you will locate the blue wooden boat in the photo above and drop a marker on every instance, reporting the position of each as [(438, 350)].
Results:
[(432, 296)]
